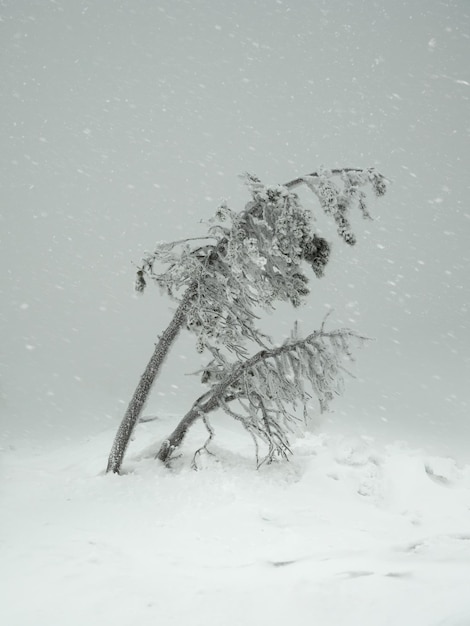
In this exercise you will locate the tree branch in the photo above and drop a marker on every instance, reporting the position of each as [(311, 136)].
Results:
[(216, 397), (301, 180)]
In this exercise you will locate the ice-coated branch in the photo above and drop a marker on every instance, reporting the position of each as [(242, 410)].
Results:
[(267, 380), (371, 173)]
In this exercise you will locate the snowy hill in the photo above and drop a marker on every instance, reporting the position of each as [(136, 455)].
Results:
[(345, 533)]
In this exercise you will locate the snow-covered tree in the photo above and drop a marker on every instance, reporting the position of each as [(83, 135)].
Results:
[(249, 261)]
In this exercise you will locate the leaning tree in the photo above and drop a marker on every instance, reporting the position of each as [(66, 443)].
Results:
[(249, 261)]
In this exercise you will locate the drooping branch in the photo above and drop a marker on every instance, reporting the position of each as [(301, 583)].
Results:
[(310, 357), (296, 182)]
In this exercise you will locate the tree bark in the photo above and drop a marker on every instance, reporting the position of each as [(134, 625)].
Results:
[(146, 381)]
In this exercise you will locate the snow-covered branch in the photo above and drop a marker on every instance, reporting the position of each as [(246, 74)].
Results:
[(268, 387)]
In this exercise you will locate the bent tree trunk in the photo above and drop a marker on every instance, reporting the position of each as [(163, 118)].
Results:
[(147, 379)]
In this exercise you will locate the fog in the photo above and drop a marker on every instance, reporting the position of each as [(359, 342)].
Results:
[(126, 123)]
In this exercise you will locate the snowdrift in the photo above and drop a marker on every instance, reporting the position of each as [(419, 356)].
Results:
[(345, 533)]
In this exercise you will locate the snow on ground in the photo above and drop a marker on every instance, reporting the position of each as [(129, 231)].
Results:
[(344, 534)]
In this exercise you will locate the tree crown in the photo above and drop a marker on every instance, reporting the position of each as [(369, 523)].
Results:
[(257, 257)]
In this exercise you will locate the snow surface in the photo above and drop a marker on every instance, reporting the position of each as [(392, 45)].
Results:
[(348, 532)]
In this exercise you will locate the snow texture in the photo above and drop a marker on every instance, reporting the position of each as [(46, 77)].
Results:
[(346, 533)]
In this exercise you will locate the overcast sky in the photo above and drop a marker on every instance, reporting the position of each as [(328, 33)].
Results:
[(126, 122)]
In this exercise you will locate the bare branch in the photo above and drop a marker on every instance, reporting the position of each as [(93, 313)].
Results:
[(210, 430)]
